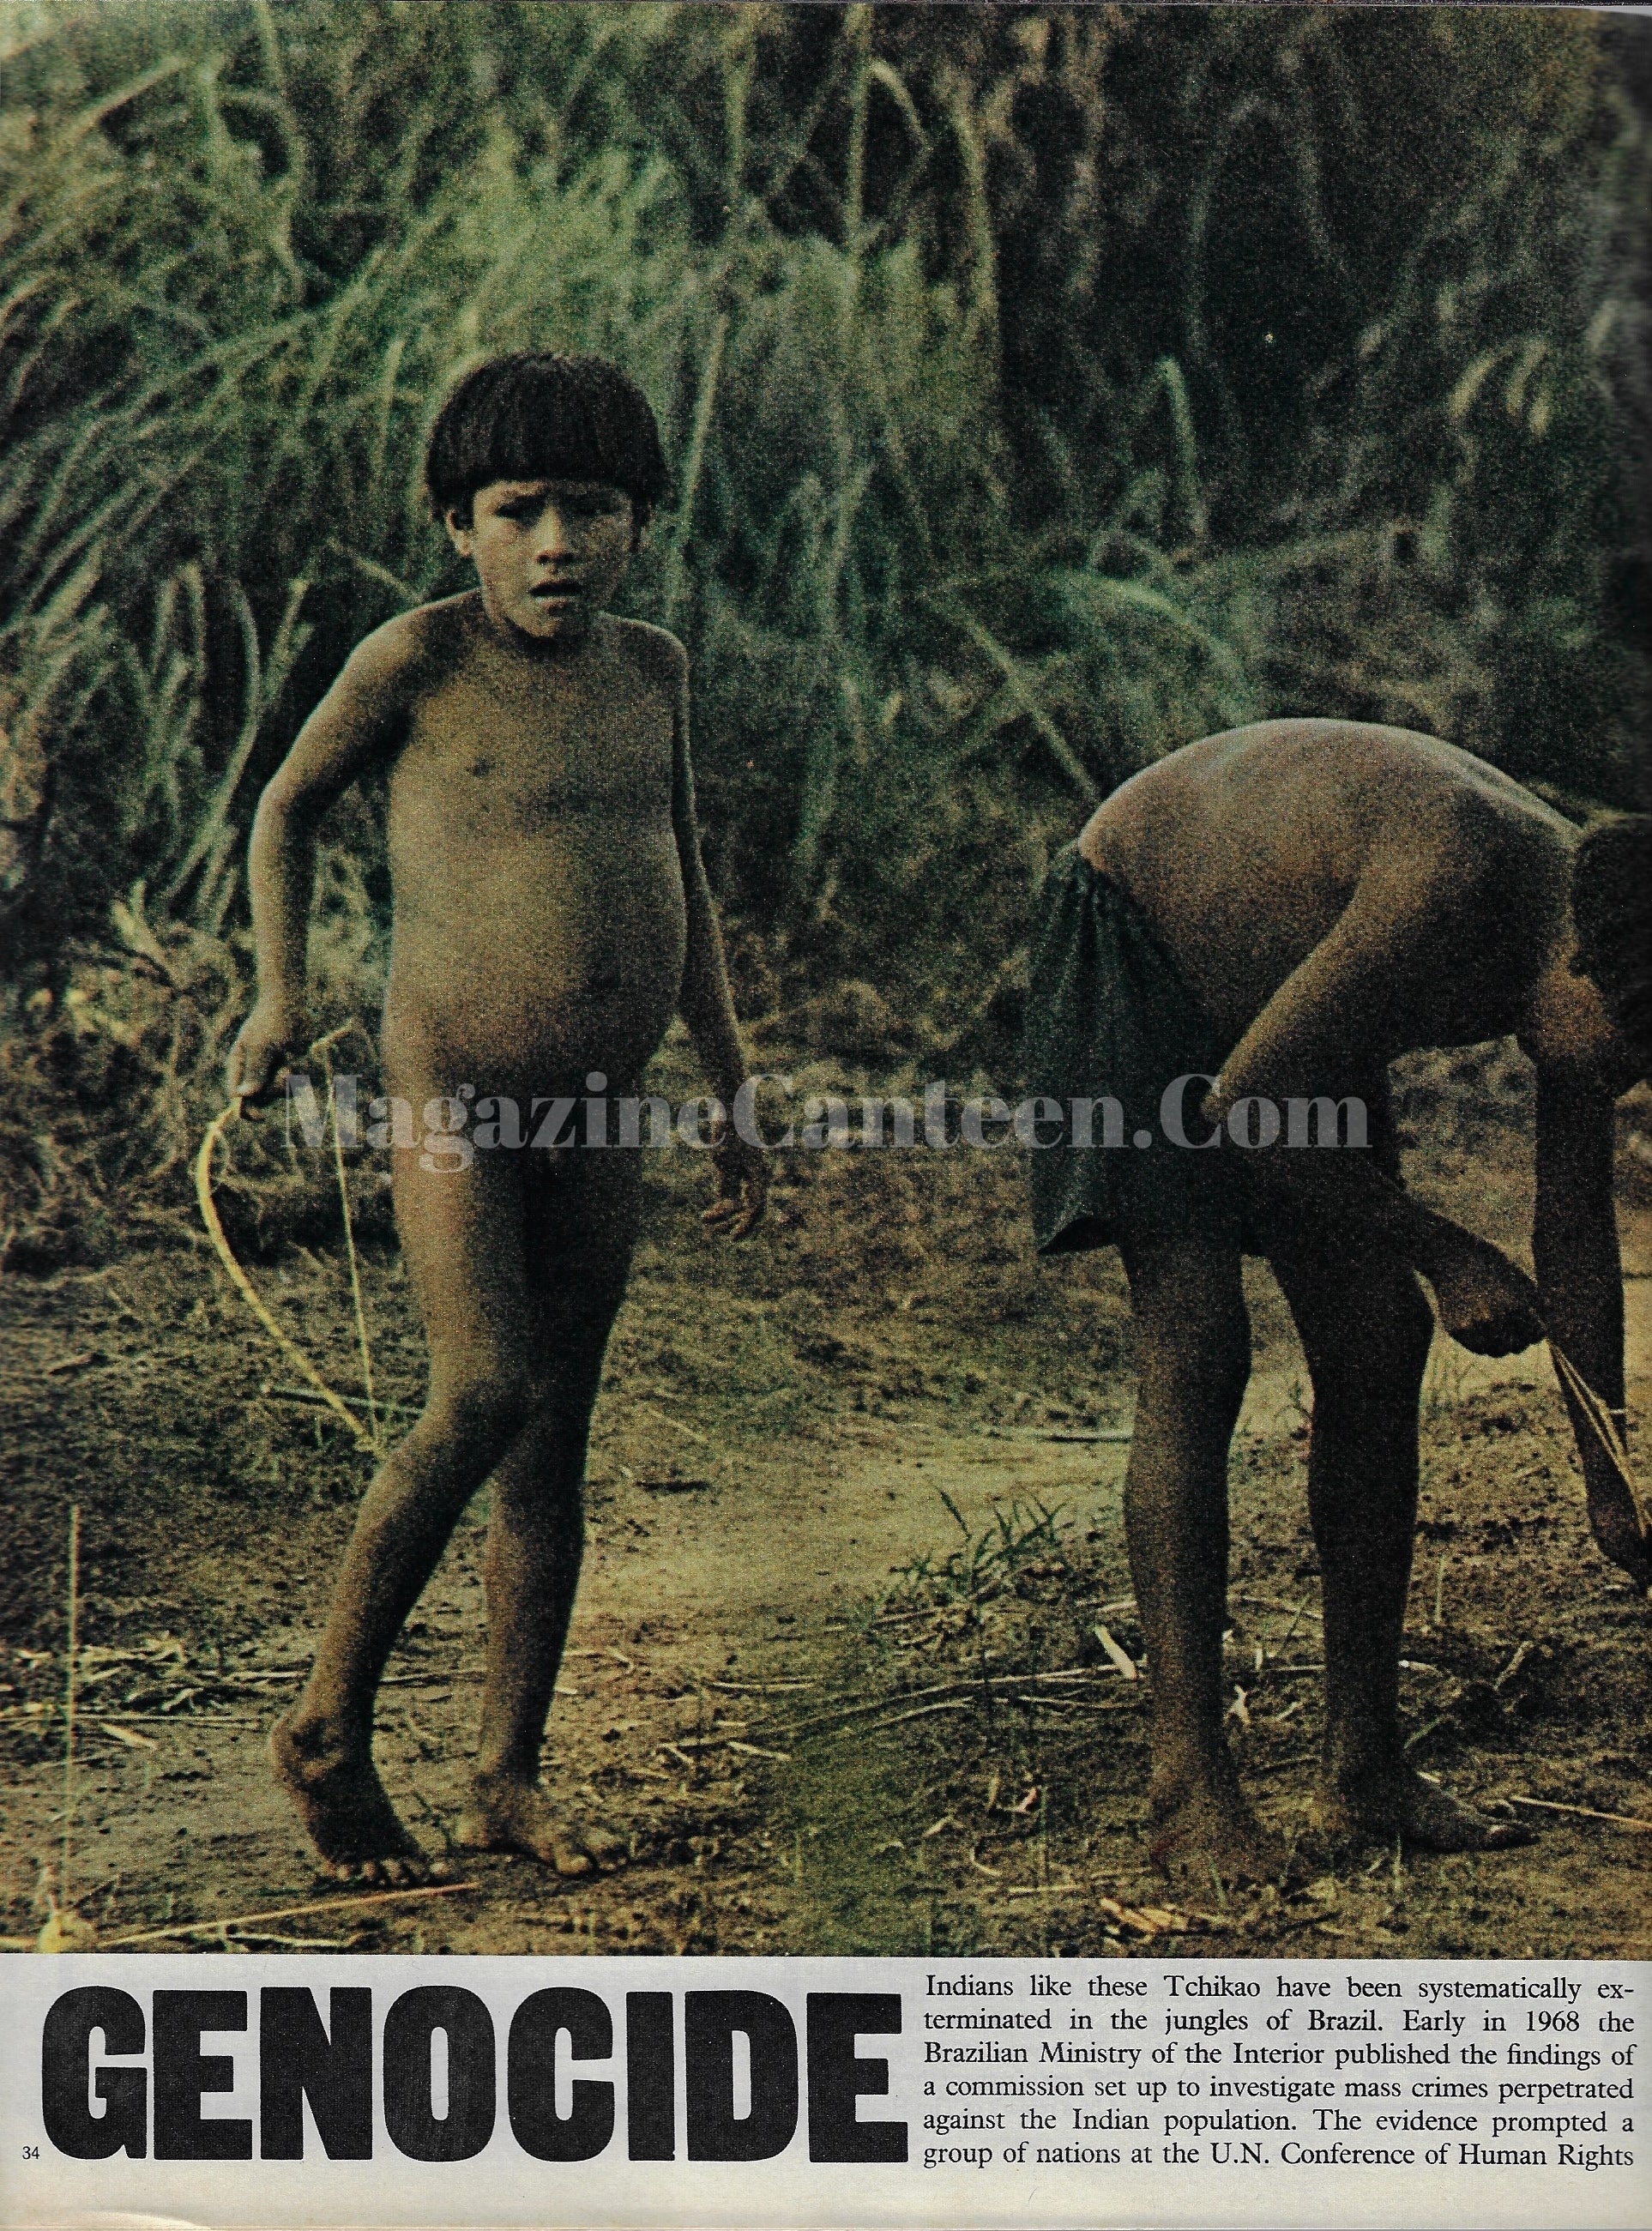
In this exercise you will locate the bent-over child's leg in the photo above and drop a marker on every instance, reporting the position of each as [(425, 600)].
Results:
[(582, 1226), (1192, 1360), (463, 1236), (1365, 1330)]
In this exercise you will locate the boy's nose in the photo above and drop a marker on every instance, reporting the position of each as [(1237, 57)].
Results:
[(553, 540)]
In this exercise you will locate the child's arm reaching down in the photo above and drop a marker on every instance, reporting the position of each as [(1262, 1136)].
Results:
[(358, 723), (707, 1005), (1574, 1241)]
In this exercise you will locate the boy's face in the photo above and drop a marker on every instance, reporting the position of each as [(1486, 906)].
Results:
[(550, 554), (1576, 1029)]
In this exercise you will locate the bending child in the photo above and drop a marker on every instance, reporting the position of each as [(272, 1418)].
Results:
[(1274, 914), (551, 912)]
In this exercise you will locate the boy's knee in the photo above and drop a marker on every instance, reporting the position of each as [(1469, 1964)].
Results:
[(488, 1408), (1221, 1362), (1381, 1354)]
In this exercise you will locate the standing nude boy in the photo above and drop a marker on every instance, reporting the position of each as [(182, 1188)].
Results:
[(1277, 912), (551, 912)]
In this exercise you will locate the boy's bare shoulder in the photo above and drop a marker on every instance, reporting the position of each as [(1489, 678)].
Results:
[(423, 644), (412, 652), (654, 650)]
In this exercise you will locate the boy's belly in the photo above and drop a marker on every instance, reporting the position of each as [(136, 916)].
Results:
[(550, 957)]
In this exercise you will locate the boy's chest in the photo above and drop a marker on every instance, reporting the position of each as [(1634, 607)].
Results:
[(515, 754)]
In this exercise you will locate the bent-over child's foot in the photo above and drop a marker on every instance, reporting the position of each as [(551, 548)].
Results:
[(1196, 1835), (339, 1799), (508, 1815), (1400, 1803)]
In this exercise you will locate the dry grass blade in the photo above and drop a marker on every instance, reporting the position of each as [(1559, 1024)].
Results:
[(1585, 1812), (1278, 1603), (760, 1688), (1120, 1657), (998, 1683), (288, 1913), (244, 1285), (922, 1712), (688, 1432), (1148, 1920), (129, 1737), (303, 1397)]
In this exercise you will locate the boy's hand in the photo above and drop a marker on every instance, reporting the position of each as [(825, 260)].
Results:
[(269, 1041), (743, 1186), (1485, 1302)]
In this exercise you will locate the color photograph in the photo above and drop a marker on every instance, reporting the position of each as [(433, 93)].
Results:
[(825, 979)]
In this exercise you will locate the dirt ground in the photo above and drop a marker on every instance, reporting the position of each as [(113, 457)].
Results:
[(847, 1664)]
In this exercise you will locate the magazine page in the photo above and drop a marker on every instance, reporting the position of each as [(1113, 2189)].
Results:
[(825, 1184)]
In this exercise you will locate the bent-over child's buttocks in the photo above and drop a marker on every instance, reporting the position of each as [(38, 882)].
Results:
[(540, 909)]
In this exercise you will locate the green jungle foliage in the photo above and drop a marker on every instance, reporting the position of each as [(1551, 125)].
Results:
[(1044, 390)]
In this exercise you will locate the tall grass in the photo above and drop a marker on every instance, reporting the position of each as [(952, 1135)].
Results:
[(976, 514)]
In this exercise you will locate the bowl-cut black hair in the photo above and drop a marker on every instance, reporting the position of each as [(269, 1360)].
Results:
[(536, 416)]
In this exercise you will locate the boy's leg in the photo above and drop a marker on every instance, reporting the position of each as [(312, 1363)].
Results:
[(1365, 1330), (582, 1226), (463, 1239), (1192, 1358)]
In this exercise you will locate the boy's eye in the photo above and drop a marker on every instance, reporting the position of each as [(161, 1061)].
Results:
[(572, 507)]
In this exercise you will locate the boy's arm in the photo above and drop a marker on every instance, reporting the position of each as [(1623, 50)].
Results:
[(1574, 1242), (1485, 1302), (1337, 1014), (358, 723), (705, 1001)]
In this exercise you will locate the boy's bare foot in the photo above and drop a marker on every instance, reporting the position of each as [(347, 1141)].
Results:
[(1402, 1804), (1194, 1837), (507, 1814), (342, 1801)]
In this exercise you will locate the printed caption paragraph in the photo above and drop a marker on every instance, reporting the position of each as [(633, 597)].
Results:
[(778, 2091)]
